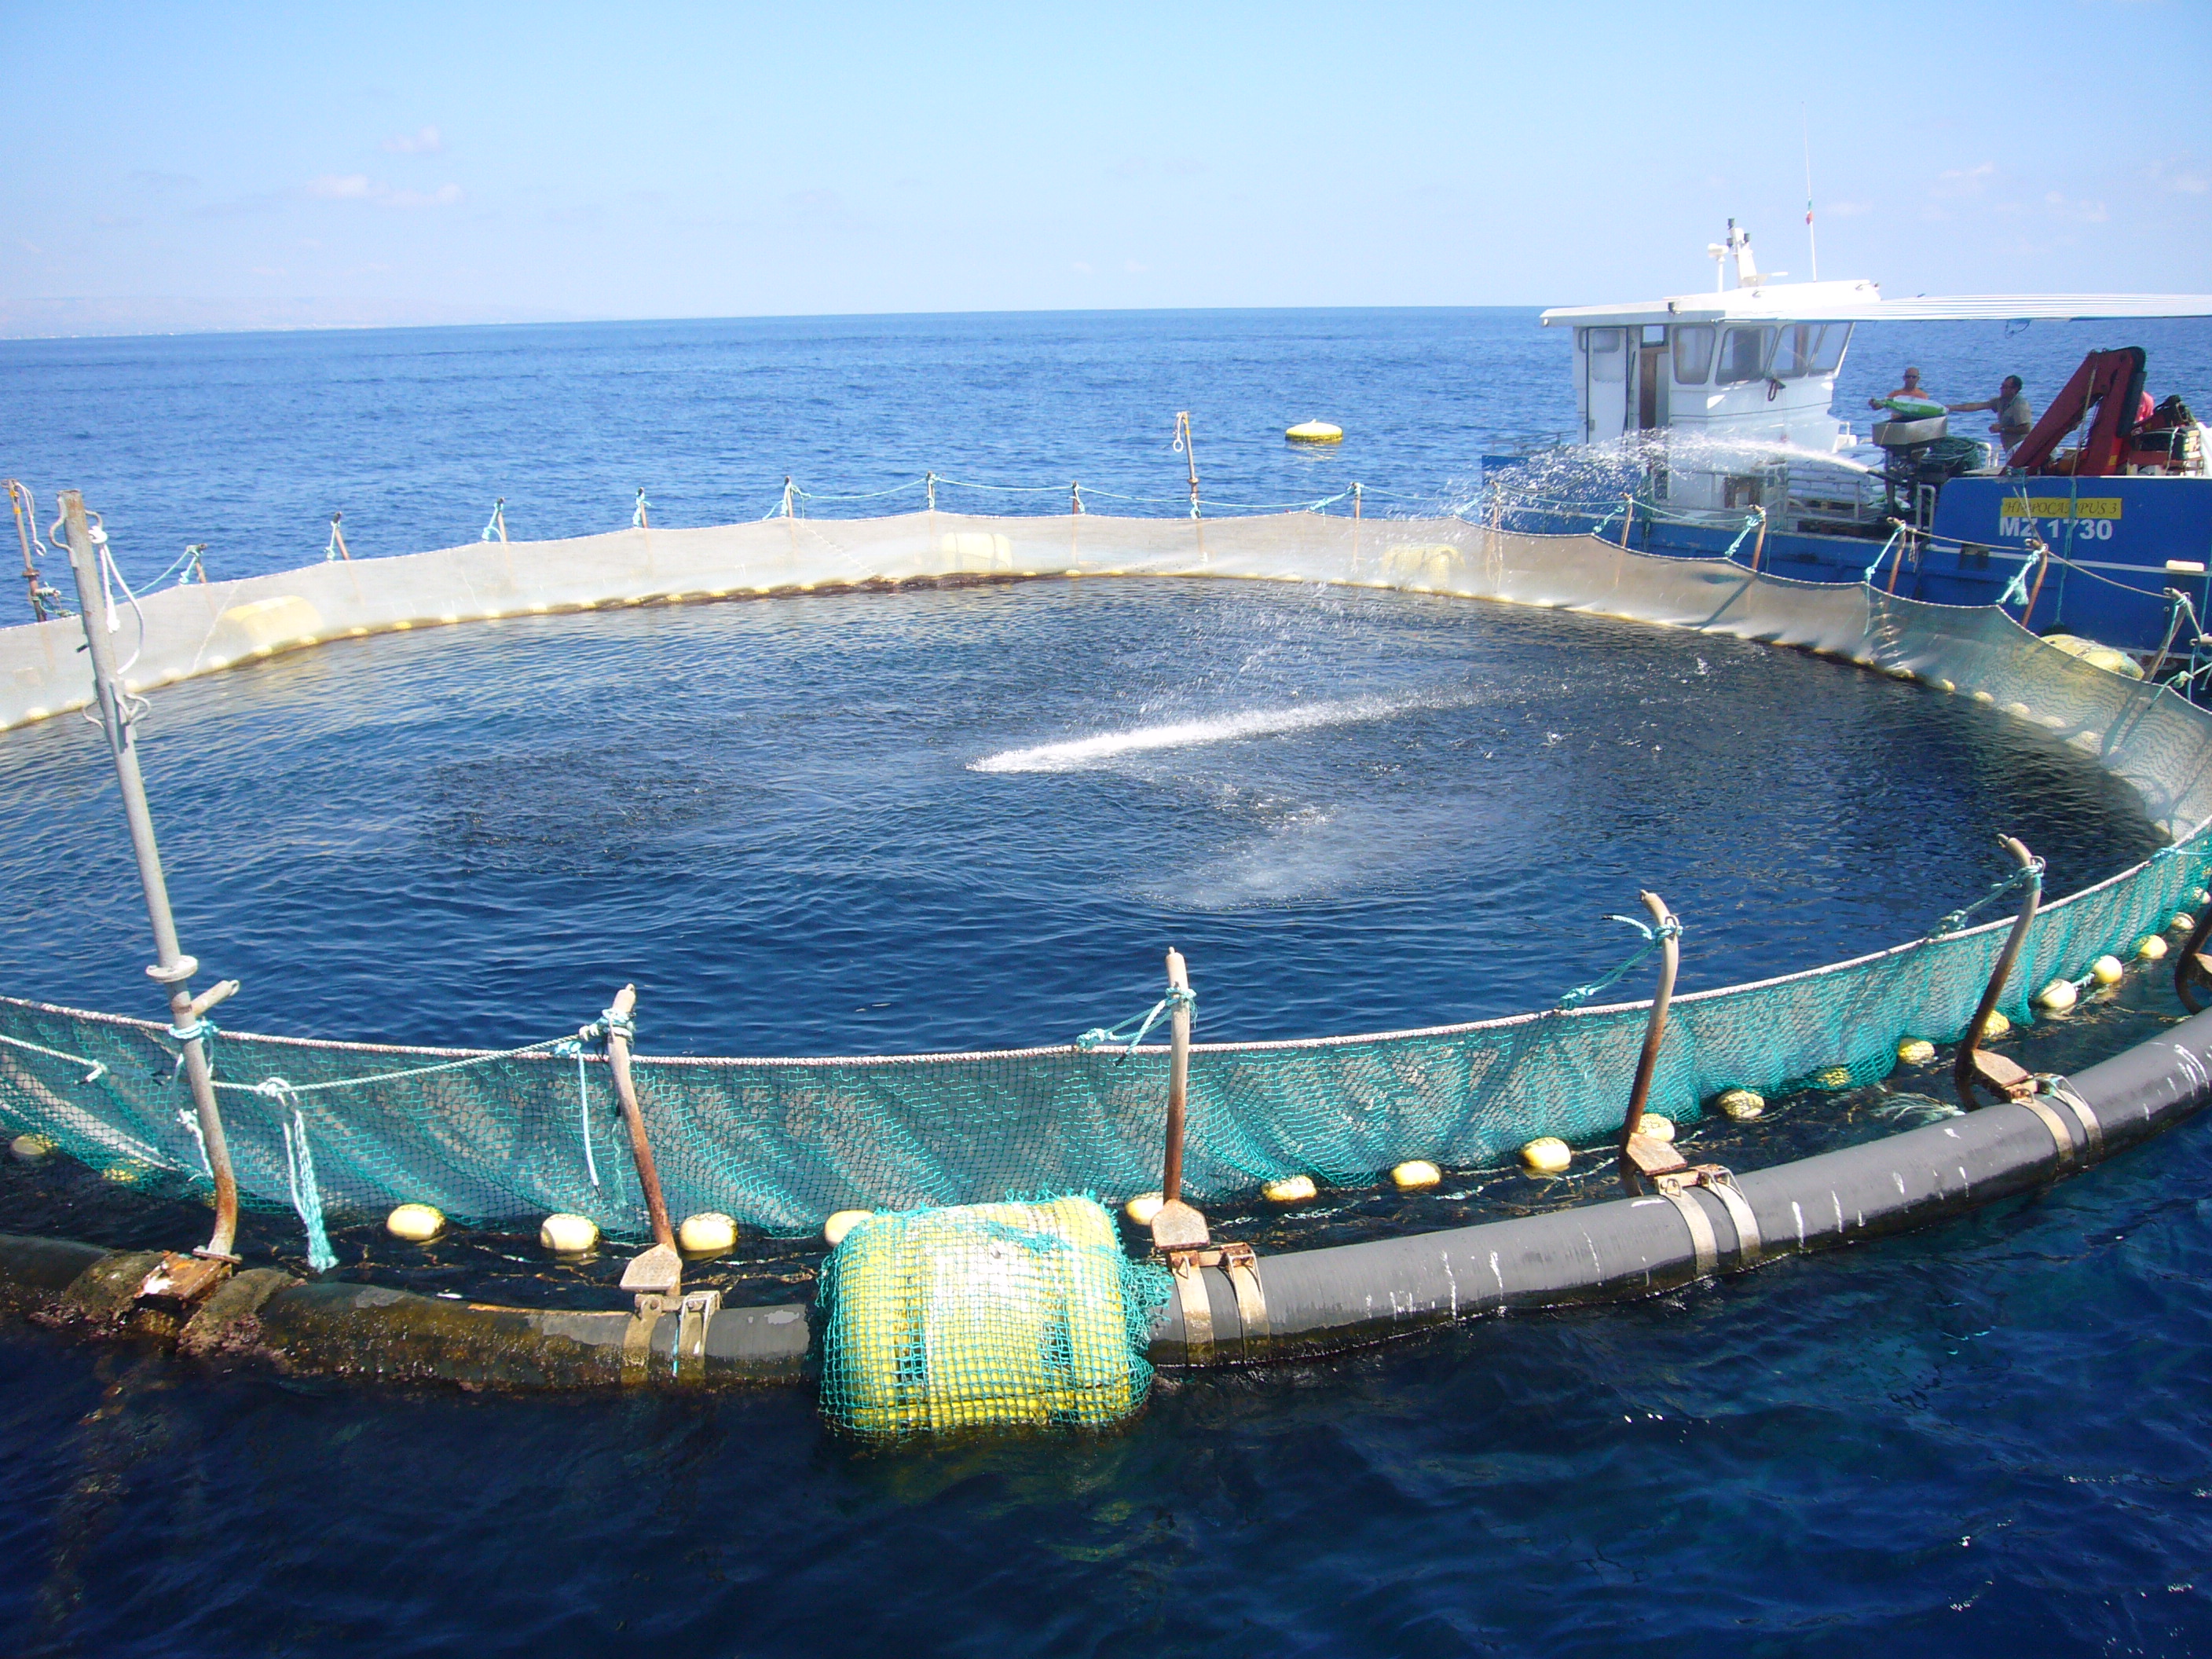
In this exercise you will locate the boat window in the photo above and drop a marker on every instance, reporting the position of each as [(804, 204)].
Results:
[(1830, 357), (1743, 355), (1608, 362), (1810, 348), (1694, 353)]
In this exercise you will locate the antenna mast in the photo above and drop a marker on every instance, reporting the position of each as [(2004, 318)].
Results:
[(1813, 248)]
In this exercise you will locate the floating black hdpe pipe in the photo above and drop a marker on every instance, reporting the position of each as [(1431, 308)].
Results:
[(1312, 1302), (1319, 1300)]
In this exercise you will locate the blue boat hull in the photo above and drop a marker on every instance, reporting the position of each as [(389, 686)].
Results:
[(2114, 535)]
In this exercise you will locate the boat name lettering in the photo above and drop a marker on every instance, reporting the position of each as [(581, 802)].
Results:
[(2058, 507)]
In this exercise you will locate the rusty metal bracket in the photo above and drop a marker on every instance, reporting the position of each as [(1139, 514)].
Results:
[(1672, 1177), (2061, 1089), (695, 1312), (186, 1280), (1239, 1264)]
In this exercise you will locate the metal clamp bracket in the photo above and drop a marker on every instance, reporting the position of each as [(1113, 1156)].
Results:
[(1672, 1177), (1240, 1265), (695, 1312)]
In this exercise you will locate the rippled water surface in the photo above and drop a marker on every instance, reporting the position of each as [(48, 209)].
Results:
[(874, 822), (942, 818)]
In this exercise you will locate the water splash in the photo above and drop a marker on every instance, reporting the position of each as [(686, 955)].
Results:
[(1076, 753)]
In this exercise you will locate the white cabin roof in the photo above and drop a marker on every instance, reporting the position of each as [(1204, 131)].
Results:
[(1862, 302)]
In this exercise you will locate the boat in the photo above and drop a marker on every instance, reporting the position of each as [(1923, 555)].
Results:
[(1707, 428)]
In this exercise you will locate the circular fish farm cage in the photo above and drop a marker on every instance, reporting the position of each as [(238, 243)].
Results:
[(1393, 980)]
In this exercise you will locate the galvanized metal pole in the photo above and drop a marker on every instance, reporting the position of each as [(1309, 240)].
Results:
[(173, 971)]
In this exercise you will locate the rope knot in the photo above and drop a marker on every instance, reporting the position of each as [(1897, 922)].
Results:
[(614, 1025), (1177, 997), (1653, 938), (198, 1030)]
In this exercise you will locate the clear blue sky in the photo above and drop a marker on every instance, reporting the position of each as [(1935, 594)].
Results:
[(192, 166)]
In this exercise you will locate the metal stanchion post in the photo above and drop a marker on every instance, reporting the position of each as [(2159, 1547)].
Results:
[(183, 1278)]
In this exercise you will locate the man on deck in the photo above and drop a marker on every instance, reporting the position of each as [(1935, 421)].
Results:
[(1909, 394), (2014, 419)]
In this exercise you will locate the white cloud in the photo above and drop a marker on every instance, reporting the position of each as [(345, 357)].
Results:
[(2087, 213), (423, 141), (1963, 181), (360, 187), (1083, 267), (1133, 268), (1844, 210)]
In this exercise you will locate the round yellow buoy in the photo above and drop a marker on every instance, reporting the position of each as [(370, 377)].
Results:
[(2183, 922), (1741, 1105), (1546, 1155), (1915, 1051), (2107, 970), (2057, 997), (1658, 1127), (124, 1174), (2150, 947), (707, 1234), (1143, 1208), (2200, 898), (1291, 1189), (2018, 710), (1832, 1077), (30, 1148), (568, 1235), (1995, 1026), (1314, 432), (418, 1223), (1416, 1172), (834, 1229)]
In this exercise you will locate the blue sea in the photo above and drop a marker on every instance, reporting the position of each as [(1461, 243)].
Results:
[(861, 823)]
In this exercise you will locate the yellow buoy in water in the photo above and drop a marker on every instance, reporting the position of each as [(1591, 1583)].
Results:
[(31, 1148), (1314, 432), (569, 1235), (2057, 997), (2150, 947), (2183, 922), (1915, 1051), (1741, 1105), (707, 1234), (1546, 1155), (1416, 1172), (834, 1229), (1291, 1189), (418, 1223), (2107, 970)]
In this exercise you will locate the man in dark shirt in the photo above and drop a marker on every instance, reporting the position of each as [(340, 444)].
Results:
[(2014, 419)]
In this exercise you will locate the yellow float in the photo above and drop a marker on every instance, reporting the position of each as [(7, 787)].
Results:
[(1314, 432), (417, 1224)]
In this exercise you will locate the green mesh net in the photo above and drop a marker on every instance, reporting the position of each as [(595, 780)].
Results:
[(781, 1144), (983, 1316)]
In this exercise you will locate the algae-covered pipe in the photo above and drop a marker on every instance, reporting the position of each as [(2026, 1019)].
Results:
[(1319, 1300), (334, 1328)]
